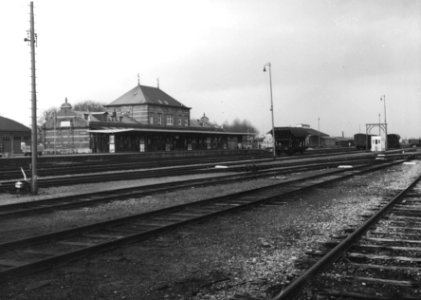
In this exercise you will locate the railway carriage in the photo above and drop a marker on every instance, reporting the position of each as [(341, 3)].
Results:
[(414, 142), (362, 141), (290, 140), (393, 141)]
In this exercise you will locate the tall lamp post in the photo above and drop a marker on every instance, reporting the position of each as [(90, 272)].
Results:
[(268, 65), (383, 98)]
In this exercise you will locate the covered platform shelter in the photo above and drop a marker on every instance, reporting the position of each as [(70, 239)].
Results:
[(119, 137)]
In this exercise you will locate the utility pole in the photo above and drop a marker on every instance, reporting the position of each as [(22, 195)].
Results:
[(34, 135)]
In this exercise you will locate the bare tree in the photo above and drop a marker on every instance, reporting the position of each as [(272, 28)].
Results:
[(89, 105), (240, 126), (47, 115)]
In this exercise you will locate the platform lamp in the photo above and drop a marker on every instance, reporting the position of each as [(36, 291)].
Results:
[(268, 65)]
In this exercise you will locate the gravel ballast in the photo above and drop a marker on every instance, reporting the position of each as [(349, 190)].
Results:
[(248, 255)]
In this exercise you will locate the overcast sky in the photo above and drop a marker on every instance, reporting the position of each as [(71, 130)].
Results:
[(331, 59)]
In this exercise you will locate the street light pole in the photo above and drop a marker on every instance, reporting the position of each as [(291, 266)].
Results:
[(271, 107), (383, 98)]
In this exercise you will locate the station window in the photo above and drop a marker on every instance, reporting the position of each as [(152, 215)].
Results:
[(180, 121), (6, 138), (65, 124), (151, 119), (170, 120), (160, 119), (186, 122)]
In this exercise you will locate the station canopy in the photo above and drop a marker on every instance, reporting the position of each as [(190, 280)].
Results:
[(114, 130)]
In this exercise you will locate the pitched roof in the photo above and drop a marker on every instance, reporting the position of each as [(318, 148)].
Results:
[(10, 125), (312, 131), (299, 131), (296, 131), (141, 94)]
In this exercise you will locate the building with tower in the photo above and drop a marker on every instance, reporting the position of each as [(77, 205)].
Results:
[(144, 119)]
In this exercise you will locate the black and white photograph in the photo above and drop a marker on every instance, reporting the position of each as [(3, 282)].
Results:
[(210, 150)]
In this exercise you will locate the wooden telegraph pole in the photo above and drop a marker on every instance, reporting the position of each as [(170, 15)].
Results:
[(34, 135)]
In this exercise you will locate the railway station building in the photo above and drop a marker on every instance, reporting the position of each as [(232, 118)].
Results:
[(12, 134), (143, 119)]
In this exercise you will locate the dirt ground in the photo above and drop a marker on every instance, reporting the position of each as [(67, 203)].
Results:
[(248, 255)]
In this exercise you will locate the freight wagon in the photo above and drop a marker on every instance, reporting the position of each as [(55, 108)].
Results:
[(393, 141), (414, 142), (291, 140), (362, 141)]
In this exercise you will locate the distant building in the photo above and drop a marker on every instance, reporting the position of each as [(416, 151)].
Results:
[(150, 106), (12, 134), (318, 139), (314, 138), (67, 131), (202, 122), (143, 119)]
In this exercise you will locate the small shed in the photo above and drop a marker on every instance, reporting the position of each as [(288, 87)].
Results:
[(12, 134)]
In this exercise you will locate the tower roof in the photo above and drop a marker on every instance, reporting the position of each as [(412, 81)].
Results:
[(141, 94), (66, 105)]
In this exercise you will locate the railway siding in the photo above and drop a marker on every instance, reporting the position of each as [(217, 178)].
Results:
[(228, 260), (381, 259)]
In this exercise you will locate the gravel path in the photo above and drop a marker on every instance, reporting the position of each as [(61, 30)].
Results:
[(249, 255)]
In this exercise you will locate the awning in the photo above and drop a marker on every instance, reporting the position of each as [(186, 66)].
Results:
[(108, 130)]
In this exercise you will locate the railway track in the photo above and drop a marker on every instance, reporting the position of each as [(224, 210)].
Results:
[(59, 168), (90, 177), (96, 198), (59, 165), (238, 166), (40, 252), (380, 260), (63, 168)]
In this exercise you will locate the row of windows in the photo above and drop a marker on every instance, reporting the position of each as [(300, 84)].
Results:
[(15, 138), (169, 120)]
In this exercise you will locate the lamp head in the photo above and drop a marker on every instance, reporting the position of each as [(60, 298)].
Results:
[(264, 69)]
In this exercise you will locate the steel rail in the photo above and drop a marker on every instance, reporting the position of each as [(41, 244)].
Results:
[(166, 171), (293, 290), (231, 202), (101, 166), (81, 167), (95, 198), (54, 163)]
